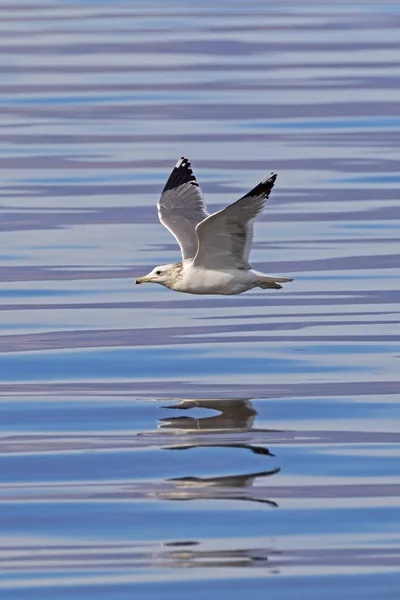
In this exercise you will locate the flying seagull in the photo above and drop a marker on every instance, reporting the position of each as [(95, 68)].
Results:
[(215, 248)]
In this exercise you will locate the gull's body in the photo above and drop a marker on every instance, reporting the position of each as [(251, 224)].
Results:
[(197, 280), (215, 248)]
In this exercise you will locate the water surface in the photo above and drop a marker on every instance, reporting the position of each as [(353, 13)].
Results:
[(155, 444)]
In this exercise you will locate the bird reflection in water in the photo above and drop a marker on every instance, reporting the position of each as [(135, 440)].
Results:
[(193, 554), (235, 418), (232, 414)]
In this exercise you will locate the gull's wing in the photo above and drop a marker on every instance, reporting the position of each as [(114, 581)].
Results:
[(181, 207), (225, 237)]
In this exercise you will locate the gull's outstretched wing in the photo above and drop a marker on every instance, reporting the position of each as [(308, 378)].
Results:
[(225, 237), (181, 207)]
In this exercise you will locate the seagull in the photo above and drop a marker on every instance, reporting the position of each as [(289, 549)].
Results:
[(215, 248)]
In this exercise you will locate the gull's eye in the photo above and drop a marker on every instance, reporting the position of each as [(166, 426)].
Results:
[(158, 272)]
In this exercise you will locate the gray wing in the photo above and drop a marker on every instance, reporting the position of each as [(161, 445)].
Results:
[(181, 207), (225, 237)]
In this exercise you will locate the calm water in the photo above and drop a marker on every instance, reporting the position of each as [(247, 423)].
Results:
[(156, 445)]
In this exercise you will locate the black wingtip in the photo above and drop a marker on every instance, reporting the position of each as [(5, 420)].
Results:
[(264, 187), (181, 173), (270, 180)]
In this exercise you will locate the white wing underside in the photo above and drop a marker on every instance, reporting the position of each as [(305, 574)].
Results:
[(219, 241), (225, 237), (181, 207)]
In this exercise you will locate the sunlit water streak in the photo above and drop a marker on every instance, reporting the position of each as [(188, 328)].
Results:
[(152, 440)]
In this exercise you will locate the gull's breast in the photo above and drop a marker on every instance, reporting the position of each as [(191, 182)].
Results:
[(196, 280)]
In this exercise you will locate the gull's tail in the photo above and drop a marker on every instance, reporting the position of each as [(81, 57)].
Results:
[(270, 282)]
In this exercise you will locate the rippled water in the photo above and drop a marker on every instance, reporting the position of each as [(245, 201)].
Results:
[(157, 445)]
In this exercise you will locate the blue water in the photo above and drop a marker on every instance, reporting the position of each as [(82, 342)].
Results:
[(158, 445)]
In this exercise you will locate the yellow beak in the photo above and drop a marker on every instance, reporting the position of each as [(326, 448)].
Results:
[(144, 279)]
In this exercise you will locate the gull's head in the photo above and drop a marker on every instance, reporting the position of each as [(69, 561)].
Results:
[(164, 275)]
